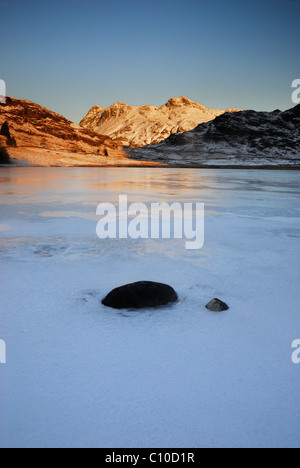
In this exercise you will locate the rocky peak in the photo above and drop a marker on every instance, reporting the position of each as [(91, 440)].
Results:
[(139, 126), (184, 102)]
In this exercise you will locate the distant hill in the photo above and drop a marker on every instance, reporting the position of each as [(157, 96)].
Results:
[(139, 126), (244, 138)]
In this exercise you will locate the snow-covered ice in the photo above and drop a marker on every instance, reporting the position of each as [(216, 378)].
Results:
[(82, 375)]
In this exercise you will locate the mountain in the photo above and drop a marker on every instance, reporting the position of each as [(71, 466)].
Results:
[(24, 124), (243, 138), (139, 126)]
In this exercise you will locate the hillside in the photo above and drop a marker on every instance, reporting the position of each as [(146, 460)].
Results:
[(35, 135), (24, 123), (139, 126), (246, 138)]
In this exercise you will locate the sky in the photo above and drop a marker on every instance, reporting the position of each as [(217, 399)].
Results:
[(70, 55)]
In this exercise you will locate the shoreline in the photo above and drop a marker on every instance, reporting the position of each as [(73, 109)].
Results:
[(27, 156), (38, 157)]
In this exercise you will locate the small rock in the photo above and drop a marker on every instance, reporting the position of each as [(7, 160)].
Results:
[(140, 295), (216, 305)]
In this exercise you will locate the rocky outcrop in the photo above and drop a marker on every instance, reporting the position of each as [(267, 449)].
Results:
[(139, 126), (216, 305), (26, 124), (140, 295), (4, 156), (238, 139), (5, 132)]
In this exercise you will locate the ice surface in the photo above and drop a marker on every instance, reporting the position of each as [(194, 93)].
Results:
[(82, 375)]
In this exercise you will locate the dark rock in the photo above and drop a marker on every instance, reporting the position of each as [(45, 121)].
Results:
[(238, 138), (11, 142), (4, 156), (177, 139), (215, 305), (5, 130), (140, 295)]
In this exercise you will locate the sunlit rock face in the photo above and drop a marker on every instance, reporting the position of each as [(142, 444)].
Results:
[(139, 126), (26, 124)]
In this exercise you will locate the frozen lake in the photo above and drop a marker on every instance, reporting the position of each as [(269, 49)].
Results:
[(82, 375)]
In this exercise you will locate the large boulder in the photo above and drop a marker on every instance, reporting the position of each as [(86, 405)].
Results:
[(140, 295)]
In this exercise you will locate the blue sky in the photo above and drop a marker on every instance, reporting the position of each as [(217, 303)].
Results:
[(69, 55)]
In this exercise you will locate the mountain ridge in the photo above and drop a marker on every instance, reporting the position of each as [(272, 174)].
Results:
[(35, 135), (25, 123), (236, 139), (137, 126)]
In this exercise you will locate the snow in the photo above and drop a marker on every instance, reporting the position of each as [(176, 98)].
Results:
[(82, 375), (195, 155), (144, 125), (237, 139)]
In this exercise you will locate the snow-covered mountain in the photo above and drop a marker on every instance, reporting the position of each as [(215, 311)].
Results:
[(139, 126), (242, 138)]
